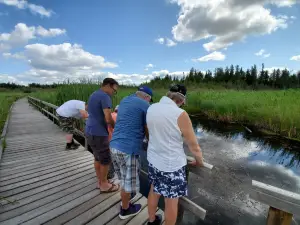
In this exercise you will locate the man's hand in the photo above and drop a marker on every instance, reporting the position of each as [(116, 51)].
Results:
[(195, 163)]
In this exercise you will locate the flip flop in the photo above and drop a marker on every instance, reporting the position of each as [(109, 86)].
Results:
[(111, 189), (111, 182)]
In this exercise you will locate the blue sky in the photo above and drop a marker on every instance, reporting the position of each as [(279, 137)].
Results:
[(135, 40)]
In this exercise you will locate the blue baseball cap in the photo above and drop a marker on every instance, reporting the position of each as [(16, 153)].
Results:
[(146, 89)]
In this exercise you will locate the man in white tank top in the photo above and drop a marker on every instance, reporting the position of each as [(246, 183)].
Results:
[(168, 124)]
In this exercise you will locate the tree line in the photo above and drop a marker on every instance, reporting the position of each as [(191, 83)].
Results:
[(234, 77), (32, 85)]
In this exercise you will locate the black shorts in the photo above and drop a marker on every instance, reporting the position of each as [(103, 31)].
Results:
[(100, 148)]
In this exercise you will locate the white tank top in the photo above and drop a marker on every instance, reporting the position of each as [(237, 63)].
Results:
[(165, 150)]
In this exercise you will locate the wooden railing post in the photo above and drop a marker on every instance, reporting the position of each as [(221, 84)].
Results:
[(283, 204)]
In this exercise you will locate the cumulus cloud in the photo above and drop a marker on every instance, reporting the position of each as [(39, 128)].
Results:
[(167, 41), (224, 22), (149, 66), (263, 53), (23, 4), (296, 58), (22, 34), (214, 56), (14, 56)]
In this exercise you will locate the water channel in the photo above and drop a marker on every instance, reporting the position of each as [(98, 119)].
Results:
[(239, 156)]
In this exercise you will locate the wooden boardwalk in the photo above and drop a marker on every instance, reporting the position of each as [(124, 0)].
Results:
[(48, 184)]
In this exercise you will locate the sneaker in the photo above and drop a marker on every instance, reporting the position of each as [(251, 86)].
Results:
[(71, 147), (133, 210), (76, 145), (132, 198), (157, 221)]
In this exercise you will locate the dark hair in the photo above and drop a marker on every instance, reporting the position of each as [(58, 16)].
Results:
[(109, 81)]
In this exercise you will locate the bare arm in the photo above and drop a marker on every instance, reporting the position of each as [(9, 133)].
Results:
[(146, 132), (108, 118), (187, 131), (84, 114)]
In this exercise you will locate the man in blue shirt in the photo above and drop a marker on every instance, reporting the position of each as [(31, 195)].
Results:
[(126, 144), (96, 130)]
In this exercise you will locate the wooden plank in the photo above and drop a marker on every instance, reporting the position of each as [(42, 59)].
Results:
[(12, 170), (277, 198), (37, 216), (110, 214), (40, 163), (81, 209), (34, 191), (95, 211), (118, 221), (25, 173), (62, 209), (4, 131), (278, 217), (43, 200), (45, 172), (5, 187), (43, 182), (50, 192)]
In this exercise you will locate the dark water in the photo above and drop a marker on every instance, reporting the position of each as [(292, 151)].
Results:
[(239, 157)]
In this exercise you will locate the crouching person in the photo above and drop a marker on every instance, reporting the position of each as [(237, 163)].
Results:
[(168, 124), (67, 114)]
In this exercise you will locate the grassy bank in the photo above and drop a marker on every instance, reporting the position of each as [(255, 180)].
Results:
[(6, 100), (276, 111)]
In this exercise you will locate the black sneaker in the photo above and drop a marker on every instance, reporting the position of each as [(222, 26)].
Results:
[(76, 145), (71, 147), (133, 210), (157, 221), (133, 196)]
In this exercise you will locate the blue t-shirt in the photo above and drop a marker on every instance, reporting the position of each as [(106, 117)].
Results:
[(129, 130), (96, 124)]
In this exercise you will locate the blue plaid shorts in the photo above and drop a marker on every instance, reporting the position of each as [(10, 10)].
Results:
[(127, 168), (168, 184)]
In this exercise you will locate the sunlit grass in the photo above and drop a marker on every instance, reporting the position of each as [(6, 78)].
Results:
[(277, 111)]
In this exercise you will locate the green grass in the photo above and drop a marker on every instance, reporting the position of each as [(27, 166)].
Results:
[(277, 111), (6, 100)]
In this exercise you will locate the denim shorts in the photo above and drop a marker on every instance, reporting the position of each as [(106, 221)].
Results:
[(168, 184)]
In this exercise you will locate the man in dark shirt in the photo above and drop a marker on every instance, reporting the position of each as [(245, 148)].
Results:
[(96, 129)]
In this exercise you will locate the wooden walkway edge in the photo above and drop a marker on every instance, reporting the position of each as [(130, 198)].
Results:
[(46, 183)]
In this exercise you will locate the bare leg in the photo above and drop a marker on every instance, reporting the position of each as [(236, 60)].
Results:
[(69, 138), (153, 199), (125, 199), (101, 172), (171, 209)]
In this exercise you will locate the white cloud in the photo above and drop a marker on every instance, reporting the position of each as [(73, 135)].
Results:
[(225, 21), (167, 41), (170, 43), (296, 58), (14, 56), (260, 52), (52, 32), (149, 66), (160, 40), (22, 34), (214, 56), (64, 57), (23, 4), (263, 53)]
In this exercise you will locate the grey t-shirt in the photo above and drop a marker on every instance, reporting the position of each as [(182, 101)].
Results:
[(96, 124)]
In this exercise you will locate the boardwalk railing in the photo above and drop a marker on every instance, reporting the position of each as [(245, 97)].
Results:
[(283, 204), (49, 110), (3, 134)]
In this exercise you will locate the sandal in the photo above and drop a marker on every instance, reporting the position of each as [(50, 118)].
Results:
[(98, 186), (111, 189)]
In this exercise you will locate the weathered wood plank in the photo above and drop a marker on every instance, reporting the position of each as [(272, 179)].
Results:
[(278, 198), (278, 217), (43, 200), (37, 216), (47, 193), (57, 169), (81, 209), (46, 168), (43, 182), (110, 214), (33, 191)]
